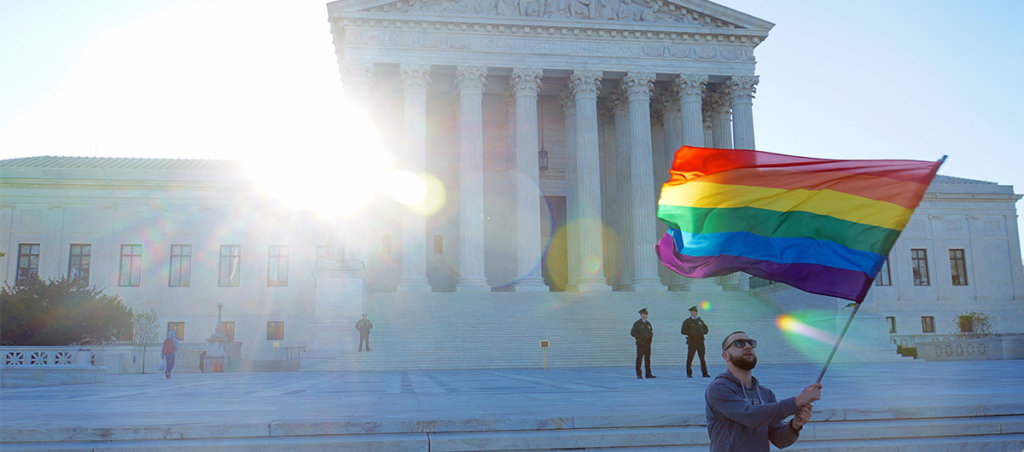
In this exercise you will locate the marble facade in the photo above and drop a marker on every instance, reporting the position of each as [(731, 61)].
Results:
[(487, 78), (551, 126)]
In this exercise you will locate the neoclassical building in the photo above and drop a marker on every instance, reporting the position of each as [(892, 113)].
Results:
[(550, 127), (556, 122)]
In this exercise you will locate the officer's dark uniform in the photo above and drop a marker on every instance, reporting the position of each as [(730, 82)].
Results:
[(694, 330), (644, 333), (364, 327)]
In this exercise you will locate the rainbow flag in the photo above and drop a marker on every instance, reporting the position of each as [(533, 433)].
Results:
[(822, 226)]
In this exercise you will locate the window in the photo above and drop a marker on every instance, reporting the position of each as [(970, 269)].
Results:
[(321, 255), (919, 261), (178, 328), (230, 265), (277, 266), (131, 266), (181, 266), (28, 262), (884, 278), (275, 331), (78, 263), (385, 244), (966, 323), (958, 267), (228, 330), (892, 324), (927, 324)]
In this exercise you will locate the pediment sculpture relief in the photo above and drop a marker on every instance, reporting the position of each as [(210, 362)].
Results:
[(611, 10)]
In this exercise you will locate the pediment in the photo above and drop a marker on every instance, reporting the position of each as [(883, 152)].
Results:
[(688, 13)]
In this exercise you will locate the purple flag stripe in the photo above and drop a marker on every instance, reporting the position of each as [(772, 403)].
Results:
[(819, 279)]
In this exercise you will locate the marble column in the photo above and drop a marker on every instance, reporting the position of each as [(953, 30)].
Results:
[(673, 125), (588, 179), (691, 94), (618, 205), (470, 81), (350, 234), (526, 83), (691, 91), (571, 196), (705, 110), (741, 90), (642, 203), (718, 113), (721, 120), (355, 77), (415, 78)]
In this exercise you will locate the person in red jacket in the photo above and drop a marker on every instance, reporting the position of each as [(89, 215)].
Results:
[(170, 347)]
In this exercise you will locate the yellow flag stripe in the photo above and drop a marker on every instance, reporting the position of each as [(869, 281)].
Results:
[(822, 202)]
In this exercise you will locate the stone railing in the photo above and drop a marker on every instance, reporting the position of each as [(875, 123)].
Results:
[(292, 353), (952, 347), (44, 355), (43, 366)]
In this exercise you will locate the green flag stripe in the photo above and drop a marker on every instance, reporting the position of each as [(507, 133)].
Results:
[(770, 223)]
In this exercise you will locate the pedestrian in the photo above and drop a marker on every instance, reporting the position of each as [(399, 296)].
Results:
[(742, 414), (364, 325), (694, 329), (168, 351), (643, 332)]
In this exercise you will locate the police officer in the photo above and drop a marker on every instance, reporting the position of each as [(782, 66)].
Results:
[(694, 329), (643, 332)]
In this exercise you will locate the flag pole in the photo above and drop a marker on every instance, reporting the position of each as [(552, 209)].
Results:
[(838, 340)]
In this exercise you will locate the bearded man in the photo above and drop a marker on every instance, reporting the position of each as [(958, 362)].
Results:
[(742, 414)]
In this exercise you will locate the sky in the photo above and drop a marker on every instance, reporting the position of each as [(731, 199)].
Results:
[(228, 79)]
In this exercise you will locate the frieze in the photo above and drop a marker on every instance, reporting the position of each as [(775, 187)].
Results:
[(654, 11), (416, 40)]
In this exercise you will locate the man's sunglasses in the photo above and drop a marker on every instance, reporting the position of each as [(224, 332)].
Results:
[(740, 343)]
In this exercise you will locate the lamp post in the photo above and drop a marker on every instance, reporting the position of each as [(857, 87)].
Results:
[(542, 154)]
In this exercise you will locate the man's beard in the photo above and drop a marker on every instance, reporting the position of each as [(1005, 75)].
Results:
[(742, 363)]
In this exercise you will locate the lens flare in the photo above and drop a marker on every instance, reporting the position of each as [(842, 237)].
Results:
[(791, 324), (326, 177), (705, 305), (421, 193)]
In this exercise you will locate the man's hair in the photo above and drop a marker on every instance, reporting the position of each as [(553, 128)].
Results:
[(727, 336)]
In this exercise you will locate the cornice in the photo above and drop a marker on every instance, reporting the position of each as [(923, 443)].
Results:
[(701, 13), (515, 26)]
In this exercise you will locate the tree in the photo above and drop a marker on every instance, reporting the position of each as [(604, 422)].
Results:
[(145, 332), (61, 312), (972, 324)]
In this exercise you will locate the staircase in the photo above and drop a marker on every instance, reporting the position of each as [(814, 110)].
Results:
[(505, 330)]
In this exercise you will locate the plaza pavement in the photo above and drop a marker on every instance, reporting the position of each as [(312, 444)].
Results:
[(528, 409)]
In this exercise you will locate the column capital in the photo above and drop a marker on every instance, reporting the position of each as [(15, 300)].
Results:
[(415, 75), (719, 100), (691, 84), (743, 86), (568, 100), (667, 99), (526, 80), (471, 79), (356, 70), (356, 76), (585, 83), (638, 85), (617, 101)]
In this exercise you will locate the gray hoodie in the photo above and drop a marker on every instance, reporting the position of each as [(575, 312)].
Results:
[(745, 420)]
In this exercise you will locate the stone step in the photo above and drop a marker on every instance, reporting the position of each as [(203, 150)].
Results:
[(963, 433), (458, 330)]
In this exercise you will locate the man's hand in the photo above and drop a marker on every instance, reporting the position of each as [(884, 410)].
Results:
[(802, 417), (810, 394)]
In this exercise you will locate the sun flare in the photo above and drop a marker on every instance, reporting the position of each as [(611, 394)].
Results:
[(334, 179)]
